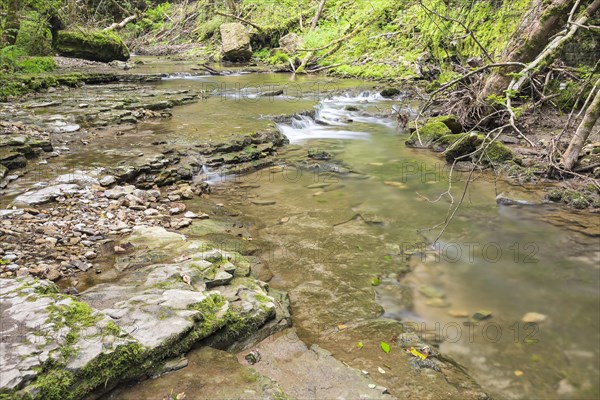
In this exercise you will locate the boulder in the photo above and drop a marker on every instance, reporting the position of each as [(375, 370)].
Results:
[(290, 43), (91, 45), (235, 42)]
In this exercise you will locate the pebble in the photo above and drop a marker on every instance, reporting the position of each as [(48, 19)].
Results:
[(482, 315), (90, 255), (458, 313), (151, 211), (53, 275), (107, 180), (10, 257), (12, 267), (191, 215), (534, 318)]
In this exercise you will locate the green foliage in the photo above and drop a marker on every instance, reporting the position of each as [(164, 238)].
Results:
[(34, 65), (34, 35), (155, 18), (278, 58), (13, 59)]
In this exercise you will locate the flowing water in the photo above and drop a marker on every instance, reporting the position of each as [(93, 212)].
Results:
[(339, 233)]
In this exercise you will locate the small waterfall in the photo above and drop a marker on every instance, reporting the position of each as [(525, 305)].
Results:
[(208, 176), (335, 118)]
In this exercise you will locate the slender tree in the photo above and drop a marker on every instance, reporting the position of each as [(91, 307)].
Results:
[(571, 155)]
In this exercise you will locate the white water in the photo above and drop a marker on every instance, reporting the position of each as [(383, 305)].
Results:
[(335, 120)]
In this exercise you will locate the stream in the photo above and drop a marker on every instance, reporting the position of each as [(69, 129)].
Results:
[(340, 228)]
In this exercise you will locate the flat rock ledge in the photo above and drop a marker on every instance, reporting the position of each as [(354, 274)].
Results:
[(56, 346)]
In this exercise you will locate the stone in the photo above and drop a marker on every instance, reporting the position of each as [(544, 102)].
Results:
[(90, 255), (44, 104), (458, 313), (119, 191), (107, 180), (151, 212), (177, 208), (451, 121), (91, 45), (437, 303), (190, 214), (221, 278), (389, 92), (261, 202), (62, 127), (12, 159), (181, 223), (235, 42), (290, 43), (53, 275), (46, 194), (78, 177), (431, 292), (482, 315), (534, 318)]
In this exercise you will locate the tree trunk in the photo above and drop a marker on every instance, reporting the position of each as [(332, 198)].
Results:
[(531, 37), (571, 155), (13, 22), (315, 20)]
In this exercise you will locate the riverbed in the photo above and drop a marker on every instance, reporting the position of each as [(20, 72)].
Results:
[(345, 217)]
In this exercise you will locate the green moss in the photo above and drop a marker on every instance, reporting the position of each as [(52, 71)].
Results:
[(429, 133), (451, 121), (495, 152), (449, 139), (122, 363), (54, 385), (499, 152), (91, 45)]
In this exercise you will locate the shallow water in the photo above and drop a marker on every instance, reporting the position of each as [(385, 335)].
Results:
[(331, 234), (504, 259)]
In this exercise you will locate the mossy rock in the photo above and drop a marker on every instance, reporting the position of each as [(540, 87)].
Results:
[(429, 133), (3, 171), (389, 92), (450, 121), (91, 45), (495, 151)]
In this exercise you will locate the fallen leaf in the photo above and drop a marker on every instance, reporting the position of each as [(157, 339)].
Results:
[(385, 347)]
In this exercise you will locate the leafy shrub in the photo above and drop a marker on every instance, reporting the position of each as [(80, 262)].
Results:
[(34, 36)]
